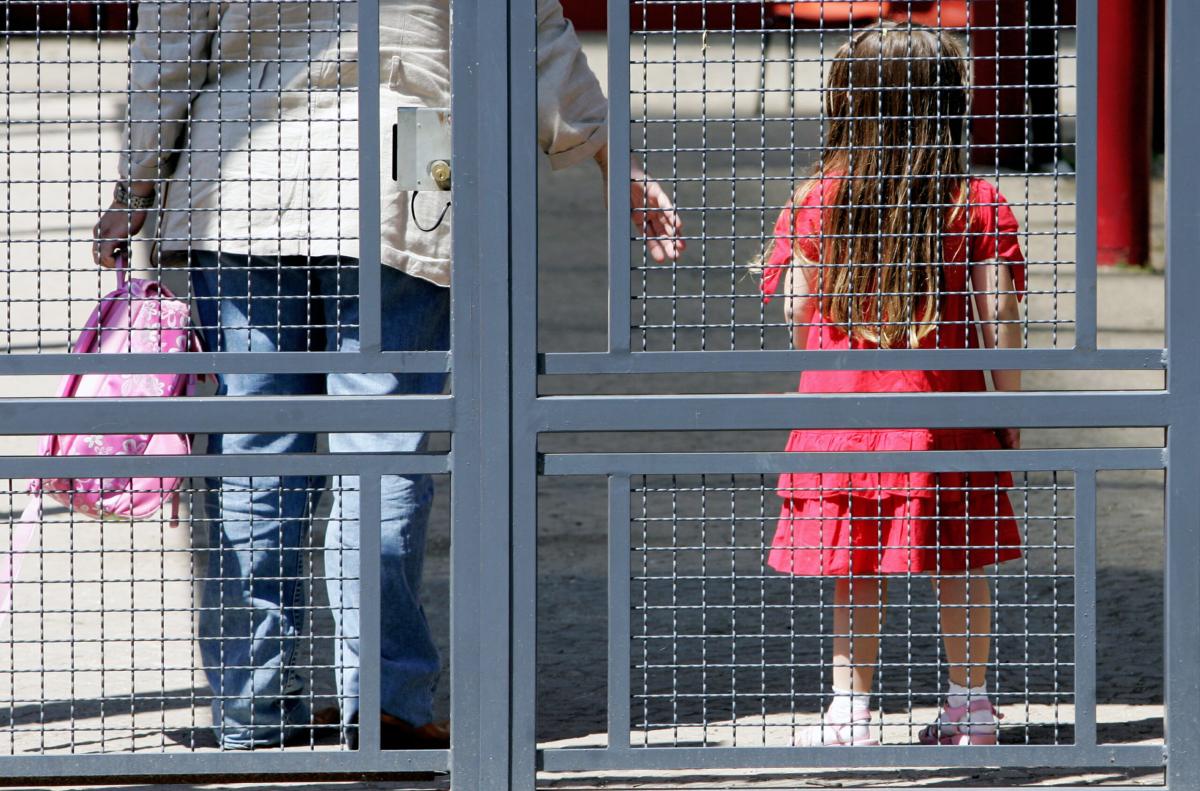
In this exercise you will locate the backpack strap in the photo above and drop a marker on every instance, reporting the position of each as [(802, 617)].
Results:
[(122, 269), (196, 344), (175, 505), (10, 561)]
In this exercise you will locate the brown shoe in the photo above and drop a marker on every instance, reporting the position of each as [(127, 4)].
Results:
[(396, 734)]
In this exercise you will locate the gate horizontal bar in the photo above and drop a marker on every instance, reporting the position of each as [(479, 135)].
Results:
[(225, 362), (260, 415), (854, 360), (176, 766), (976, 787), (851, 410), (908, 756), (623, 464), (243, 465)]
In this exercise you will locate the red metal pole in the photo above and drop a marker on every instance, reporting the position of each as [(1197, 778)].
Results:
[(996, 111), (1014, 53), (1125, 116)]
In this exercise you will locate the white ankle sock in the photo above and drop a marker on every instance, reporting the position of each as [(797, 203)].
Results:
[(961, 696), (846, 705)]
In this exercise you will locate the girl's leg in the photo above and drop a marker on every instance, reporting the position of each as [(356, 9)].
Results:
[(857, 616), (856, 620), (967, 716), (966, 623)]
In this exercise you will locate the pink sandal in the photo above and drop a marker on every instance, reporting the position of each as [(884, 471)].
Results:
[(855, 733), (965, 724)]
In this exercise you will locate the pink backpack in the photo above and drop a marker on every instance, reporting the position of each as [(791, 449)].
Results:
[(141, 316)]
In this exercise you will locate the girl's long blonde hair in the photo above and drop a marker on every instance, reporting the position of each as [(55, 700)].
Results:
[(893, 175)]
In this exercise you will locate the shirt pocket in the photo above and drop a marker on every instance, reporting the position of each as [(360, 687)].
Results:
[(417, 80)]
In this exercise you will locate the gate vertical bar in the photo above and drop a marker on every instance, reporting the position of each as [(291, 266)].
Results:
[(369, 244), (370, 514), (618, 612), (1085, 607), (523, 228), (619, 266), (1182, 546), (480, 581), (1086, 67)]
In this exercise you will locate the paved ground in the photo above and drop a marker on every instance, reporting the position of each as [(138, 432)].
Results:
[(100, 677)]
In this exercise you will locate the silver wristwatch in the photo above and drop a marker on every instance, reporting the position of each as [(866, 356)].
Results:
[(123, 195)]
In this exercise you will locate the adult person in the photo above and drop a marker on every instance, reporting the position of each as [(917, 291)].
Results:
[(244, 117)]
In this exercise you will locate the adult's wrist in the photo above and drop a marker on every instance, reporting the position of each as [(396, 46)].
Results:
[(601, 159), (138, 196)]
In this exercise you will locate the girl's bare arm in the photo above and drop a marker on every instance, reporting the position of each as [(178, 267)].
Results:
[(999, 314), (798, 303), (998, 311)]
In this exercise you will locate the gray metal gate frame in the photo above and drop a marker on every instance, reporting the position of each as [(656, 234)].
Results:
[(495, 415), (442, 413)]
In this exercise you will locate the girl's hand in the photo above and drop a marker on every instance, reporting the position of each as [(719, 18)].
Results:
[(652, 213), (1010, 438), (112, 234)]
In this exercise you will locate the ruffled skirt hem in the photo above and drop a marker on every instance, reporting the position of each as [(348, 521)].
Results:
[(839, 535)]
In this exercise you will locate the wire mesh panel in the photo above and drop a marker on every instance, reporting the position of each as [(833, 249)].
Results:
[(741, 615), (138, 634), (771, 123), (762, 602), (230, 620)]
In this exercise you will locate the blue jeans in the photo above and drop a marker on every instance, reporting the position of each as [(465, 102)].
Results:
[(253, 596)]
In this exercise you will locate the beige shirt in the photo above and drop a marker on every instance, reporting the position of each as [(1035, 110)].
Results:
[(248, 114)]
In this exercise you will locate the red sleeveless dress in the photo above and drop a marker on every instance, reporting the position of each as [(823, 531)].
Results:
[(835, 524)]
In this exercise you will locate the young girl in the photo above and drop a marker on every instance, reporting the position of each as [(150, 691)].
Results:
[(891, 245)]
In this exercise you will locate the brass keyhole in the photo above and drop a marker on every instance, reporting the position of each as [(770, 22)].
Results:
[(440, 172)]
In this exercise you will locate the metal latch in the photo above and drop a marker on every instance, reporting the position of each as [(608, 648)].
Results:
[(421, 149)]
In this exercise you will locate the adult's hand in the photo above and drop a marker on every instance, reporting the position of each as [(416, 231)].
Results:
[(652, 212), (655, 216), (117, 226)]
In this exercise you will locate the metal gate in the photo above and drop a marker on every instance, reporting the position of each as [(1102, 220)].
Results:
[(100, 669), (708, 658), (711, 658)]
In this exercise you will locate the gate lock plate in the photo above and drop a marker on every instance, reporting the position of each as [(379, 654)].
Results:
[(421, 149)]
